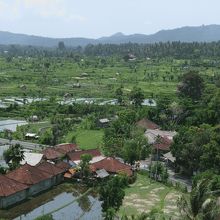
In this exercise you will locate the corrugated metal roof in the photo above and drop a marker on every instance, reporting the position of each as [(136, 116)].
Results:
[(9, 187), (75, 156), (113, 166), (28, 174), (31, 158)]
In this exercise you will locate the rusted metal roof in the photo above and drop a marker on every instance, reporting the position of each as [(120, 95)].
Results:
[(28, 174), (63, 165), (9, 187), (51, 153), (75, 156), (50, 168), (147, 124), (66, 148), (113, 166)]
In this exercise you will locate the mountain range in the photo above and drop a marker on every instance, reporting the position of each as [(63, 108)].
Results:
[(204, 33)]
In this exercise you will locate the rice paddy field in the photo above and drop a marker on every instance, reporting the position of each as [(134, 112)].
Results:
[(145, 195), (87, 78)]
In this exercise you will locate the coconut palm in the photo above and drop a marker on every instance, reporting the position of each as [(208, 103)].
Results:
[(201, 204)]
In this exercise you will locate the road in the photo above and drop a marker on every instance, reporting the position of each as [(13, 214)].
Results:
[(24, 144)]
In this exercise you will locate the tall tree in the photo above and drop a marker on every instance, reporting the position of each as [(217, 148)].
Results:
[(112, 194), (136, 96), (201, 204), (84, 165), (191, 86), (14, 155)]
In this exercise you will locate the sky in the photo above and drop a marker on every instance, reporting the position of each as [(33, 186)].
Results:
[(97, 18)]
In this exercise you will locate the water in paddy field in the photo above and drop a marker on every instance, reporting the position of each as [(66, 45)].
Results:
[(86, 208), (10, 124)]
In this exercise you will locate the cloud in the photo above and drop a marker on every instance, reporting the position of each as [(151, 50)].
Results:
[(44, 9), (9, 12)]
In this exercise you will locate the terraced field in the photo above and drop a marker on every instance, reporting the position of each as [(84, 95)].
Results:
[(145, 195)]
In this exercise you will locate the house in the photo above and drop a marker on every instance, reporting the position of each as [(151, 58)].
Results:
[(31, 158), (153, 134), (63, 165), (31, 136), (11, 192), (52, 154), (102, 173), (36, 179), (52, 169), (66, 148), (112, 166), (170, 159), (75, 156), (162, 144), (103, 122), (147, 124)]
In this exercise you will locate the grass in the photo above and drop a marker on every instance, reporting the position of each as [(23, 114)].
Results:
[(145, 195), (87, 139)]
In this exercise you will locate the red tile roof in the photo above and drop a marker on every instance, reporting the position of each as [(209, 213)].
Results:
[(163, 144), (112, 165), (147, 124), (74, 156), (50, 168), (66, 148), (28, 174), (51, 153), (9, 186), (63, 165)]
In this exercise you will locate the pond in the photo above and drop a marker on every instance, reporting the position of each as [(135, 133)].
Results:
[(62, 199), (10, 124)]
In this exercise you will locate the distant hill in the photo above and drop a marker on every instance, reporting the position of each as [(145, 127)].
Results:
[(205, 33)]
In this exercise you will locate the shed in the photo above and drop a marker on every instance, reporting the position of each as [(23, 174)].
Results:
[(147, 124), (102, 173), (112, 165)]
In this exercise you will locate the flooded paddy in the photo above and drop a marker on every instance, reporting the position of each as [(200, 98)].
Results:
[(10, 124), (61, 201)]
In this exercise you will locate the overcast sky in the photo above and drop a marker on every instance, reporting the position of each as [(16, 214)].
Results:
[(96, 18)]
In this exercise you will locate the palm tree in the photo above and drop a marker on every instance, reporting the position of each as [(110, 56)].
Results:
[(14, 155), (201, 204)]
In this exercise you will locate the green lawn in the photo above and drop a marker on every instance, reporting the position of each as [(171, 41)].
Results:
[(87, 139), (145, 195)]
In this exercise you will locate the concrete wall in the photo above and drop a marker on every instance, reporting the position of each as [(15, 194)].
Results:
[(39, 187), (33, 190), (13, 199)]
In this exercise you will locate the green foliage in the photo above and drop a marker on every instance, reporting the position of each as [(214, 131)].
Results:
[(44, 217), (191, 86), (14, 155), (202, 202), (84, 165), (136, 96), (119, 95), (112, 194), (197, 149), (46, 137), (158, 172)]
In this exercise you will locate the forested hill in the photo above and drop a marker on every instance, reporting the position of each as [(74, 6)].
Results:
[(203, 33)]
